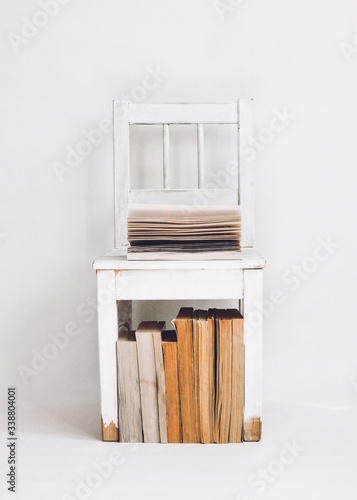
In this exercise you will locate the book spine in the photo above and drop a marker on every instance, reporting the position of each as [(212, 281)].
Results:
[(236, 425), (186, 379), (148, 386), (204, 394), (226, 349), (212, 372), (130, 424), (161, 390), (196, 371), (174, 434)]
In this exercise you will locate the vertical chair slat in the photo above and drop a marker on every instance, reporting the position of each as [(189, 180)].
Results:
[(166, 144), (200, 155), (246, 171), (121, 172)]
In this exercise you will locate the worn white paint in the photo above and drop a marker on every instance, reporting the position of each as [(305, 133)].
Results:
[(253, 318), (108, 336), (252, 259), (183, 113), (226, 197), (176, 284)]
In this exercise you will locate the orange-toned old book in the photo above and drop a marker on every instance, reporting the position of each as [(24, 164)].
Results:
[(184, 329), (236, 423), (212, 370), (223, 376), (204, 369), (169, 347), (196, 371)]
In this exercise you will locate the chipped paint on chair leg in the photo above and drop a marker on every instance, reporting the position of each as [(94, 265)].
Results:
[(107, 336), (253, 317)]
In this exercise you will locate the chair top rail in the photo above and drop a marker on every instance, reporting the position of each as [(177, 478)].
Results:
[(181, 113)]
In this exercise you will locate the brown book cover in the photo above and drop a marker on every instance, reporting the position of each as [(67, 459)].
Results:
[(212, 370), (236, 423), (205, 361), (184, 329), (169, 346), (196, 371), (223, 376)]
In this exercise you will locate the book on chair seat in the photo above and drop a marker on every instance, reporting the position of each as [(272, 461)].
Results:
[(183, 232)]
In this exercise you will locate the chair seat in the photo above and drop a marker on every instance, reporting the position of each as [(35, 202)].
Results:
[(252, 259)]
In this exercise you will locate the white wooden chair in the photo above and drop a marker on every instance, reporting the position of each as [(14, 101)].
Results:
[(121, 281)]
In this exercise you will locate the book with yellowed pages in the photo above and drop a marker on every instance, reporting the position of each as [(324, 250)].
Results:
[(223, 375), (169, 347), (183, 232), (130, 424), (196, 384), (212, 369), (184, 329), (148, 383), (204, 371), (237, 402), (160, 379), (185, 385)]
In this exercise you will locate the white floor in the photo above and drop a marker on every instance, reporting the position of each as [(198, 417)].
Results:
[(61, 450)]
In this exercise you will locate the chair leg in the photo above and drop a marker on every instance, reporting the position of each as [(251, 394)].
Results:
[(107, 336), (253, 317)]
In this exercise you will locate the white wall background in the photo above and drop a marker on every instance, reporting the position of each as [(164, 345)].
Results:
[(62, 81)]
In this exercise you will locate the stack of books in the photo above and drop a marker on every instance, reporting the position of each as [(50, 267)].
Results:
[(180, 232), (185, 385)]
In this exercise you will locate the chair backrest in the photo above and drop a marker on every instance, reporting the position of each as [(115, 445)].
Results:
[(200, 114)]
